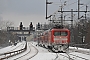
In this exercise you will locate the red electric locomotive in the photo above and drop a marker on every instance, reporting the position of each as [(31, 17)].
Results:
[(57, 39)]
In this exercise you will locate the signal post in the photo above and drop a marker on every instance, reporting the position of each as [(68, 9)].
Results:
[(21, 31)]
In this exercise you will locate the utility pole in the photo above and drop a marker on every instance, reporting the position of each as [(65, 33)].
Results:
[(78, 8), (86, 11), (46, 9), (84, 27), (72, 17), (72, 36), (61, 16)]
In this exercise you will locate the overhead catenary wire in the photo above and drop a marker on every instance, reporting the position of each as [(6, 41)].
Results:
[(57, 3), (85, 4), (69, 4), (80, 7), (64, 5)]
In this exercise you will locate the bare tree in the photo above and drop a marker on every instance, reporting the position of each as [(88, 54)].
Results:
[(1, 24), (5, 24)]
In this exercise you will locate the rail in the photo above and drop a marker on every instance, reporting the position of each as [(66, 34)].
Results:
[(81, 45), (32, 52), (13, 53)]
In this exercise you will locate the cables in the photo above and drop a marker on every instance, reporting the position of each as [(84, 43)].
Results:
[(85, 4)]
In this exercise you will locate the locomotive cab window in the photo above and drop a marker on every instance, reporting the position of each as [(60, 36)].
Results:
[(63, 33), (56, 33), (60, 33)]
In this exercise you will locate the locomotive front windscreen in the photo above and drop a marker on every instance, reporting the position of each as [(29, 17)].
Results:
[(60, 33)]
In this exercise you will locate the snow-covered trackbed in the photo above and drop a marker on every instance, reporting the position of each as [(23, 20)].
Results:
[(30, 53), (35, 52), (12, 50), (72, 54), (19, 46)]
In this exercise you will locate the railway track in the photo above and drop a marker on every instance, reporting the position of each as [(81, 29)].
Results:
[(9, 53), (70, 56), (31, 52), (18, 47), (14, 48), (74, 57), (62, 56), (80, 51), (56, 57), (83, 52)]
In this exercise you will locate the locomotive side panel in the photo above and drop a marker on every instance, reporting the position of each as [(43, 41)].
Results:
[(68, 36), (49, 38), (55, 39)]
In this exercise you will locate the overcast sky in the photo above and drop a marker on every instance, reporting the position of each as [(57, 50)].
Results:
[(27, 11)]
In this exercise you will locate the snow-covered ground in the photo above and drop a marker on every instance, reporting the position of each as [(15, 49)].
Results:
[(76, 48), (19, 45), (44, 54)]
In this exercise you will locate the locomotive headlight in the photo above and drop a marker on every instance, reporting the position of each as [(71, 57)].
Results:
[(60, 37)]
